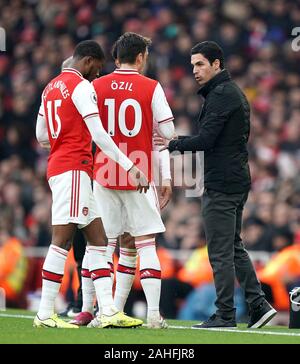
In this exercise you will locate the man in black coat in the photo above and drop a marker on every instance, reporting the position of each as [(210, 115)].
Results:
[(224, 125)]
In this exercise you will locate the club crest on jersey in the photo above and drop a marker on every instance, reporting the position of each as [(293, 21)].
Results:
[(94, 97), (85, 211)]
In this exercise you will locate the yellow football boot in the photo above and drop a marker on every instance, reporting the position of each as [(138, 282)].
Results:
[(53, 322), (119, 320)]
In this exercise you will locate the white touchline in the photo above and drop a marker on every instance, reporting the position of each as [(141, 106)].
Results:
[(17, 316), (241, 331), (189, 328)]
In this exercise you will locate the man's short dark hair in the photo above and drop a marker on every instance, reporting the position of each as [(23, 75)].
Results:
[(211, 51), (114, 51), (129, 45), (88, 48)]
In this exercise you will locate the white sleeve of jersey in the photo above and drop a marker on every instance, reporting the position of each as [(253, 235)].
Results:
[(162, 113), (162, 160), (41, 110), (41, 130), (85, 99), (166, 130), (164, 164)]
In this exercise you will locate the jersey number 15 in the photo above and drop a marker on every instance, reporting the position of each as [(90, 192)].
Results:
[(50, 109)]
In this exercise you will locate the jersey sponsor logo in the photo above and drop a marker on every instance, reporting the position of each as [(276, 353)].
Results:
[(85, 211)]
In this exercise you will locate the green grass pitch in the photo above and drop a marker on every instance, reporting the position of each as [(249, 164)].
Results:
[(16, 328)]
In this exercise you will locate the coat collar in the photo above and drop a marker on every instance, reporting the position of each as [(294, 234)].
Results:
[(213, 82)]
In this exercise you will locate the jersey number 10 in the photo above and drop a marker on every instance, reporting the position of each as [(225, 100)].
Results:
[(110, 103)]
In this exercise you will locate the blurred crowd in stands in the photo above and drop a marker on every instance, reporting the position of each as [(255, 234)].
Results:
[(256, 36)]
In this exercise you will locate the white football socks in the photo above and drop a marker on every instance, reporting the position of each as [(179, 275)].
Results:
[(150, 274), (124, 276), (52, 273), (100, 274)]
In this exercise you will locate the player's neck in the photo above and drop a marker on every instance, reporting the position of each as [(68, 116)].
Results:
[(128, 66), (73, 64)]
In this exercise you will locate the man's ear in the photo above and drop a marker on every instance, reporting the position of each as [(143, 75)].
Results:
[(140, 57), (216, 64), (88, 60)]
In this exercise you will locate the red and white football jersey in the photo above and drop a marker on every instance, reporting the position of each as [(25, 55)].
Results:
[(67, 101), (129, 105)]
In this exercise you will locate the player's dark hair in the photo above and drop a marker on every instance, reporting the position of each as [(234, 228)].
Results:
[(211, 51), (114, 51), (88, 48), (129, 45)]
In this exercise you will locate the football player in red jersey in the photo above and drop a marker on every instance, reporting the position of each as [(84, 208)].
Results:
[(129, 107), (128, 254), (68, 121)]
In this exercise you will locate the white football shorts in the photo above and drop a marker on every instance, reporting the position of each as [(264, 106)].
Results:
[(128, 211), (72, 199)]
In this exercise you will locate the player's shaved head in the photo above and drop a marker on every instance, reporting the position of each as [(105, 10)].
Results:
[(88, 48), (88, 59)]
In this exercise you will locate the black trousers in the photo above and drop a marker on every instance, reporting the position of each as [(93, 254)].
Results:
[(222, 218)]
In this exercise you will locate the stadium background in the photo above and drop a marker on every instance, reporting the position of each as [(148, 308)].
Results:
[(256, 36)]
